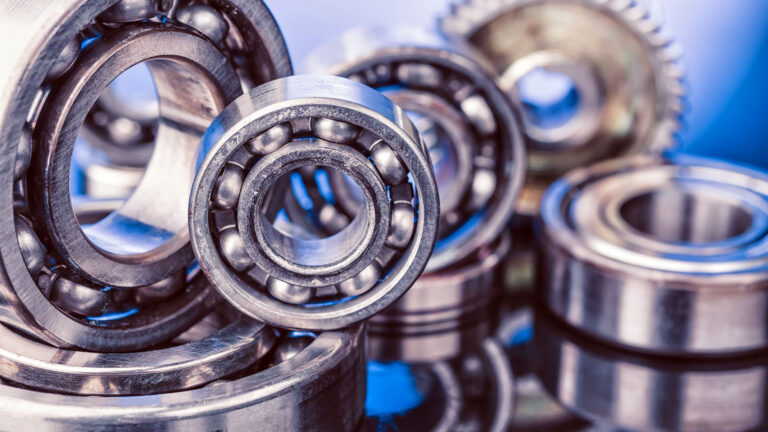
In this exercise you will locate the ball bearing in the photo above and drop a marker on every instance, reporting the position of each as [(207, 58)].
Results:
[(125, 282), (271, 268), (319, 388), (225, 352), (664, 254), (444, 314), (595, 79), (467, 123)]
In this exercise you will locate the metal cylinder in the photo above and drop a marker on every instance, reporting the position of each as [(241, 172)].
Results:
[(640, 392), (319, 388), (659, 253), (468, 125), (594, 79), (69, 284), (268, 266), (444, 314)]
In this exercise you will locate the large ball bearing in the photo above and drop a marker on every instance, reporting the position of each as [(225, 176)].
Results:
[(664, 254), (128, 281), (273, 269)]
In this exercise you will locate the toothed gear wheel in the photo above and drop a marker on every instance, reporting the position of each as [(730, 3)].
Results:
[(603, 78)]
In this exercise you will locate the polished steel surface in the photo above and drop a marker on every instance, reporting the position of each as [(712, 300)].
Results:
[(637, 392), (61, 58), (226, 351), (618, 60), (467, 122), (660, 253), (443, 314), (321, 388), (272, 269)]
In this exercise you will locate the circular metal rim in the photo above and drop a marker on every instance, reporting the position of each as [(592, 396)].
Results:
[(391, 45), (32, 50), (334, 95), (578, 360), (660, 297), (261, 397), (468, 16), (70, 240), (375, 217), (40, 366)]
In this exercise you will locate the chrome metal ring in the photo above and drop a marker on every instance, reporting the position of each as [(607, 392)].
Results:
[(638, 392), (444, 314), (468, 124), (272, 269), (76, 291), (320, 388), (594, 79), (666, 254), (227, 351)]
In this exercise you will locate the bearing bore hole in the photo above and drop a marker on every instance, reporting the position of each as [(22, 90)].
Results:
[(549, 99), (679, 215), (316, 231), (441, 150), (114, 145)]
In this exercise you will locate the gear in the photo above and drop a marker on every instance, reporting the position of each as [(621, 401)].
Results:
[(616, 68)]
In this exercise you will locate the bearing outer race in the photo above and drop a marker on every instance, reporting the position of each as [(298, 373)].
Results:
[(392, 46), (312, 96), (660, 306), (319, 389), (31, 50)]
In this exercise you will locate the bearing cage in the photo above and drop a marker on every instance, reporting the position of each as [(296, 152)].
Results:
[(337, 105), (26, 309)]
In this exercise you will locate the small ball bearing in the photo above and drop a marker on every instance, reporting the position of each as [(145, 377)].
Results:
[(468, 125), (659, 253), (127, 280), (276, 270)]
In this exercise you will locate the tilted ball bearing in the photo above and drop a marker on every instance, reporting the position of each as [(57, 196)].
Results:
[(274, 270), (126, 284)]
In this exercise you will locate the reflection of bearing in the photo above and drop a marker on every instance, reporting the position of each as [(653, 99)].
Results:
[(641, 392), (320, 388), (62, 60), (617, 60), (662, 253), (443, 314), (467, 122), (40, 366), (278, 274), (475, 392)]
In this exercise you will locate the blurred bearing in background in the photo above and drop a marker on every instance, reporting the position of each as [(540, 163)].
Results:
[(306, 382), (595, 79), (466, 121), (271, 267), (444, 314), (121, 283), (659, 253)]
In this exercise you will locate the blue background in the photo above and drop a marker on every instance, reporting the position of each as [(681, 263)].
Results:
[(725, 53)]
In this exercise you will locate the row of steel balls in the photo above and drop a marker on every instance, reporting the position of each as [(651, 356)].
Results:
[(318, 202)]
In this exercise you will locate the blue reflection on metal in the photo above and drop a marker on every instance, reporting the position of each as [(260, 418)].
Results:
[(550, 99), (324, 186), (300, 192), (302, 333), (391, 389), (88, 41), (521, 336), (114, 316)]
